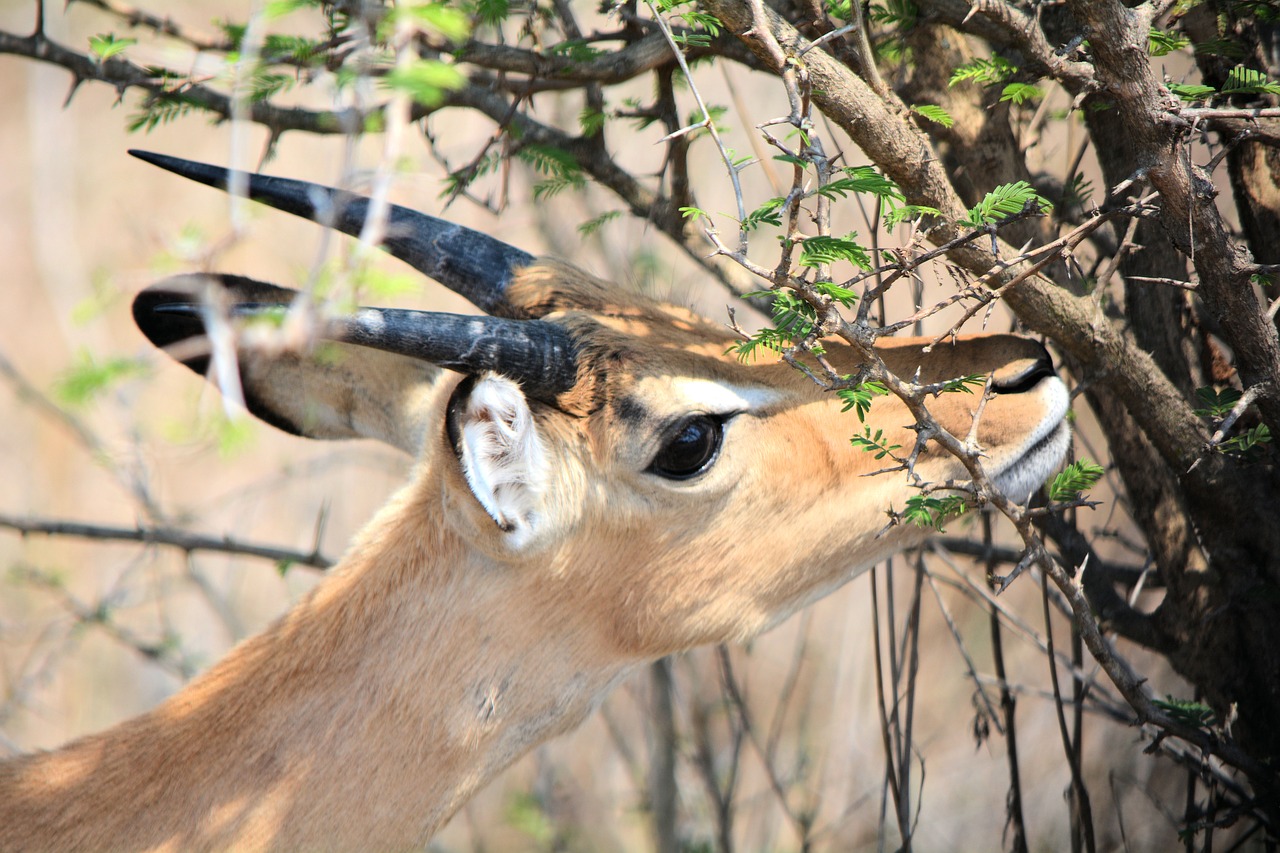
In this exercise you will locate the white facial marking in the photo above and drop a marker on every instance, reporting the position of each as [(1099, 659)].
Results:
[(1030, 465), (716, 398)]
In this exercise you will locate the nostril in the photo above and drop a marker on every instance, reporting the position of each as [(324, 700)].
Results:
[(1027, 378)]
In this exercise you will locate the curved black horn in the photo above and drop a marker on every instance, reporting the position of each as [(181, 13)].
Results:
[(538, 354), (470, 263)]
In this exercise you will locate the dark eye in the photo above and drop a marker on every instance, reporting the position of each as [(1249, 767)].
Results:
[(691, 450)]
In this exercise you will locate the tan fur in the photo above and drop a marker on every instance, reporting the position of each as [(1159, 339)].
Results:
[(436, 654)]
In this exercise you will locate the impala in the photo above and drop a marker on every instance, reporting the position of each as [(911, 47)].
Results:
[(590, 467)]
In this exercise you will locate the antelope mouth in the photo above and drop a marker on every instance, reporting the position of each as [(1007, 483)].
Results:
[(1044, 449)]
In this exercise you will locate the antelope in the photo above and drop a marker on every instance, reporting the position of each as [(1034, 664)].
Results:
[(590, 464)]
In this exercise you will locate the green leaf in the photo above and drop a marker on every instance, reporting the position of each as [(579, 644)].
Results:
[(276, 9), (985, 72), (861, 179), (591, 226), (88, 378), (766, 213), (1004, 201), (1077, 477), (440, 18), (928, 511), (874, 443), (895, 217), (426, 81), (694, 213), (964, 384), (934, 113), (824, 251), (1261, 434), (1020, 93), (106, 46), (1186, 711), (1192, 92), (1216, 404), (836, 293), (1160, 43), (492, 12), (1246, 81), (591, 121), (859, 397)]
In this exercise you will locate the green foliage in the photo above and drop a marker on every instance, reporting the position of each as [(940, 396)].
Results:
[(591, 121), (1192, 91), (163, 105), (934, 113), (103, 47), (824, 251), (279, 8), (836, 293), (985, 72), (1077, 191), (892, 13), (559, 166), (694, 213), (859, 397), (1216, 404), (793, 320), (234, 435), (1249, 439), (928, 511), (1187, 711), (491, 12), (382, 284), (861, 179), (1224, 47), (88, 377), (525, 813), (276, 47), (1020, 93), (440, 18), (1078, 477), (964, 384), (874, 442), (1246, 81), (1160, 43), (575, 50), (426, 81), (1004, 201), (591, 226), (767, 213), (893, 218), (264, 84)]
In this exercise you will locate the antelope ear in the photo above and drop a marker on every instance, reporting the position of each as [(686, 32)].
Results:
[(336, 391), (502, 456)]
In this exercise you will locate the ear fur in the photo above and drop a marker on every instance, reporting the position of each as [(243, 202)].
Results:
[(350, 392), (503, 457)]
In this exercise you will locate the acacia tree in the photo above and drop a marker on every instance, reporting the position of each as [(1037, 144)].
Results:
[(1151, 279)]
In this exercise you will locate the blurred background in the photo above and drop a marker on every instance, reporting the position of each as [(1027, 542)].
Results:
[(775, 746)]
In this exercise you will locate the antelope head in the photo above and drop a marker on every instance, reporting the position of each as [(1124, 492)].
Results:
[(610, 441), (594, 475)]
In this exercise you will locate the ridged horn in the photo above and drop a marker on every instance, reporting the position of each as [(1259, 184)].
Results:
[(468, 262), (538, 354)]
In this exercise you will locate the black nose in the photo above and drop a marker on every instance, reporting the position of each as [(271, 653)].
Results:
[(1027, 378)]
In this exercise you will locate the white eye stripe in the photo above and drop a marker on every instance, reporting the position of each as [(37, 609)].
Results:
[(717, 398)]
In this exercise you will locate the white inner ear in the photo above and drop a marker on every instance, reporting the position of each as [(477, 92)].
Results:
[(503, 458)]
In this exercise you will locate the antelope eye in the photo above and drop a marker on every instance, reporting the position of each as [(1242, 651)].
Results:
[(691, 449)]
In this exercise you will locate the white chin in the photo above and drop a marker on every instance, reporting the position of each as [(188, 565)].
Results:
[(1019, 480)]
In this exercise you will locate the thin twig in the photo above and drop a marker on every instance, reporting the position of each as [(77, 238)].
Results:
[(169, 536)]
